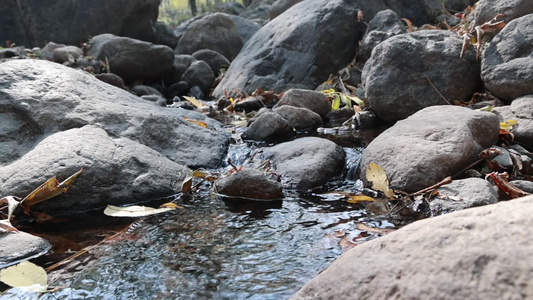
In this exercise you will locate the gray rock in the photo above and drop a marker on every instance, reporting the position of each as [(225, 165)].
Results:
[(265, 126), (232, 7), (115, 171), (21, 246), (165, 35), (199, 74), (216, 31), (250, 183), (312, 100), (245, 27), (180, 65), (299, 118), (257, 10), (132, 59), (299, 50), (112, 79), (141, 90), (51, 46), (306, 162), (57, 98), (214, 59), (384, 25), (249, 104), (486, 10), (180, 88), (396, 75), (280, 6), (158, 100), (479, 253), (62, 54), (434, 143), (524, 185), (458, 5), (34, 23), (508, 60), (520, 110), (461, 194)]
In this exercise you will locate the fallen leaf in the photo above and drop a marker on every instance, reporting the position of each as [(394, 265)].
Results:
[(196, 122), (133, 211), (170, 205), (195, 102), (186, 185), (379, 180), (6, 226), (359, 198), (12, 204), (508, 125), (366, 228), (25, 276)]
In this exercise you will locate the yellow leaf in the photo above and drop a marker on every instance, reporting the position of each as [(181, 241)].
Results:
[(199, 123), (195, 102), (359, 198), (26, 276), (47, 190), (336, 103), (508, 124), (133, 211), (511, 122), (486, 108), (379, 179), (170, 205)]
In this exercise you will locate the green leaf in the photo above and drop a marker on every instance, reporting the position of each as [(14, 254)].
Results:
[(26, 276), (336, 103)]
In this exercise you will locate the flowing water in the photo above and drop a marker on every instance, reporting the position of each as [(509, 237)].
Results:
[(220, 249)]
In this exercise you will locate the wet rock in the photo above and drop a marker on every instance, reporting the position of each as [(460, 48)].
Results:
[(132, 59), (306, 162), (299, 118), (250, 104), (384, 25), (56, 98), (115, 170), (280, 6), (339, 116), (478, 253), (180, 88), (299, 50), (312, 100), (434, 143), (67, 53), (365, 120), (396, 76), (217, 32), (461, 194), (214, 59), (507, 60), (112, 79), (197, 92), (265, 126), (165, 35), (17, 247), (520, 110), (250, 183), (34, 23), (141, 90), (199, 74), (486, 10)]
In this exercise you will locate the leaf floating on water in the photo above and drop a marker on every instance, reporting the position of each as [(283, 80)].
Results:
[(379, 179), (171, 205), (133, 211), (363, 227), (186, 185), (359, 199), (26, 276)]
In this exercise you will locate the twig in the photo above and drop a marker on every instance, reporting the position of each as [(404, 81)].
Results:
[(231, 164), (436, 90), (446, 180)]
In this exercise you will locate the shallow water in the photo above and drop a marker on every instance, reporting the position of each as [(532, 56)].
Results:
[(217, 249)]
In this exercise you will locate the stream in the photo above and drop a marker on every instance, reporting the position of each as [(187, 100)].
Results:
[(213, 248)]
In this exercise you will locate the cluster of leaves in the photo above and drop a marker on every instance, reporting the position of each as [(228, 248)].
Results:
[(338, 98)]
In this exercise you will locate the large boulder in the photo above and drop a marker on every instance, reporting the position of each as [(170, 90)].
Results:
[(312, 100), (311, 41), (506, 68), (245, 27), (115, 171), (132, 59), (520, 110), (458, 5), (306, 162), (33, 22), (38, 98), (384, 25), (434, 143), (478, 253), (217, 32), (486, 10), (406, 73)]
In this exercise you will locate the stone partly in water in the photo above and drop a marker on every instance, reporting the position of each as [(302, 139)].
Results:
[(521, 111), (312, 100), (306, 162), (15, 247), (251, 184), (434, 143), (478, 253)]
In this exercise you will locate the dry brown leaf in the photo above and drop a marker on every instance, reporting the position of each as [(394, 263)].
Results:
[(379, 179)]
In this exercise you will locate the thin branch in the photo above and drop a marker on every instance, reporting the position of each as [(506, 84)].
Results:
[(436, 90)]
